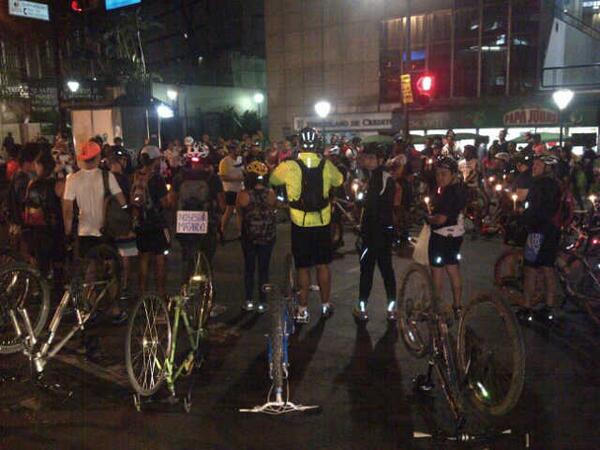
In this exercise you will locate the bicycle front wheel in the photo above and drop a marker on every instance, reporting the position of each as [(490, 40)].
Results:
[(491, 355), (148, 344), (414, 304), (277, 348), (24, 288)]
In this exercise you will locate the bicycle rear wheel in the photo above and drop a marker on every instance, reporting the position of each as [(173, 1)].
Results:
[(491, 355), (100, 272), (414, 304), (508, 276), (147, 345), (583, 283), (21, 287), (200, 289), (277, 344)]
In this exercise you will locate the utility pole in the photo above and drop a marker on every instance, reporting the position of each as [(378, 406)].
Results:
[(58, 69), (408, 51)]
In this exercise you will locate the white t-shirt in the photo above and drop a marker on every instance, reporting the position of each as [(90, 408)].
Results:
[(87, 189), (232, 168)]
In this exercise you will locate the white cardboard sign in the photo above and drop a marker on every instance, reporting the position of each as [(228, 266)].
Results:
[(192, 222)]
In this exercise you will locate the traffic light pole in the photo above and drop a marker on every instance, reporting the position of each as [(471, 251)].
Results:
[(409, 65)]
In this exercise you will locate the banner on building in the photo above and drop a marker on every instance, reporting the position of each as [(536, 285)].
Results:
[(531, 117), (347, 122)]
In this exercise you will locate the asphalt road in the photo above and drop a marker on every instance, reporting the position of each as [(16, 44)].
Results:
[(360, 377)]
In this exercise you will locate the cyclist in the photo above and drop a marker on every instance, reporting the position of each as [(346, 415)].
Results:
[(451, 148), (523, 180), (231, 171), (308, 181), (542, 206), (447, 229), (256, 207), (377, 231), (197, 188)]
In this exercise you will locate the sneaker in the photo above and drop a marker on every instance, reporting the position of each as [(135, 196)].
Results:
[(327, 310), (392, 311), (360, 311), (262, 308), (302, 315), (249, 305)]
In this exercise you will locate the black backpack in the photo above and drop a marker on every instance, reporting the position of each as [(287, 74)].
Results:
[(311, 194)]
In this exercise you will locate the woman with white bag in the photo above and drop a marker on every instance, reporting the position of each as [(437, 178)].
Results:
[(447, 228)]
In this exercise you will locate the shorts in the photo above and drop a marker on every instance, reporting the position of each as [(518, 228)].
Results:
[(444, 250), (127, 247), (230, 198), (541, 249), (155, 241), (311, 246)]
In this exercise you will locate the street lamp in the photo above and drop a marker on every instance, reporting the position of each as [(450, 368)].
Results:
[(163, 112), (323, 108), (172, 94), (259, 98), (73, 85), (562, 98)]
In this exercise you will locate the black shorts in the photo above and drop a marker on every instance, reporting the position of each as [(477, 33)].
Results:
[(152, 240), (542, 254), (311, 246), (230, 198), (444, 250)]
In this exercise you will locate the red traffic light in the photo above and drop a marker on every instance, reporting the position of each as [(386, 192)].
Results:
[(75, 6), (425, 84)]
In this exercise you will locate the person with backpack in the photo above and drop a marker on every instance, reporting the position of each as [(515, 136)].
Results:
[(541, 217), (149, 200), (377, 231), (198, 196), (308, 180), (256, 207)]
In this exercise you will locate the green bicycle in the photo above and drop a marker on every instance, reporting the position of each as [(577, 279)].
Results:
[(151, 353)]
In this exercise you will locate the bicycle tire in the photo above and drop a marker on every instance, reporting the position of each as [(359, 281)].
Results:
[(7, 345), (415, 343), (8, 257), (289, 282), (476, 388), (583, 287), (101, 264), (509, 277), (201, 290), (277, 345), (143, 312), (448, 370)]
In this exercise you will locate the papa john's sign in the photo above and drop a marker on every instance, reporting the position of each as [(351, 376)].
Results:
[(531, 116)]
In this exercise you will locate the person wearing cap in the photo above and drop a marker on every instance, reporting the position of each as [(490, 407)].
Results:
[(231, 171), (447, 229), (377, 232), (149, 198), (540, 217)]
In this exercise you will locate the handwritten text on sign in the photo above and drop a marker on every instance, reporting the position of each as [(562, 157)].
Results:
[(192, 222)]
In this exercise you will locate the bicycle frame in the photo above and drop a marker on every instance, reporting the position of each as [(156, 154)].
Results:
[(172, 371), (47, 350)]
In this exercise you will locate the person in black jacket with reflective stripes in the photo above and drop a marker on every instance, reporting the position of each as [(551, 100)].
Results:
[(377, 231)]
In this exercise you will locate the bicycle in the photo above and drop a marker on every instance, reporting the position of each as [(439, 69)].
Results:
[(576, 266), (278, 398), (151, 343), (96, 283), (474, 373)]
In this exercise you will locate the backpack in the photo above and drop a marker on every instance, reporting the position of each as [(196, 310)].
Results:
[(147, 212), (117, 220), (311, 194), (194, 195), (259, 219)]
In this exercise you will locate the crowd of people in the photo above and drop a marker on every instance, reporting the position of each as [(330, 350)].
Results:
[(140, 201)]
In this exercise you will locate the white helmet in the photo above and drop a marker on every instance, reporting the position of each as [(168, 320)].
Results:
[(188, 141)]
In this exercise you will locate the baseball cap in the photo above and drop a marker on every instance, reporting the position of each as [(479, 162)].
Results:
[(88, 151), (152, 151)]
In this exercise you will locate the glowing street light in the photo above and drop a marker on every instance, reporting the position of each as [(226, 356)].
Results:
[(562, 98), (164, 111), (73, 85), (172, 94), (259, 98), (323, 108)]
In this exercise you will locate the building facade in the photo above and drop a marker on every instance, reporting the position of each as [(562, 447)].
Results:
[(487, 59)]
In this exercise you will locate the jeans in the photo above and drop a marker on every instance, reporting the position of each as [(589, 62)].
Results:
[(377, 249), (252, 253)]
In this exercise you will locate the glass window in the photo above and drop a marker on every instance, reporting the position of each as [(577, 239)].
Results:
[(523, 56), (466, 39), (440, 51), (494, 49)]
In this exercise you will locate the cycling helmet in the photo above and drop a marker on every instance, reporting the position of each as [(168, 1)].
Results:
[(375, 149), (356, 140), (198, 155), (549, 160), (447, 163), (258, 168), (188, 141), (308, 139), (503, 156), (398, 138), (334, 151)]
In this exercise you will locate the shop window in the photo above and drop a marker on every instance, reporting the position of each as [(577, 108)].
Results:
[(494, 47), (524, 48), (466, 41)]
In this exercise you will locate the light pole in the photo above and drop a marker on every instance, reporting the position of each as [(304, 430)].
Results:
[(163, 112), (259, 98), (323, 108), (562, 98)]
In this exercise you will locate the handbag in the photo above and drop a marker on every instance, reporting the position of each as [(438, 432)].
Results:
[(421, 252)]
